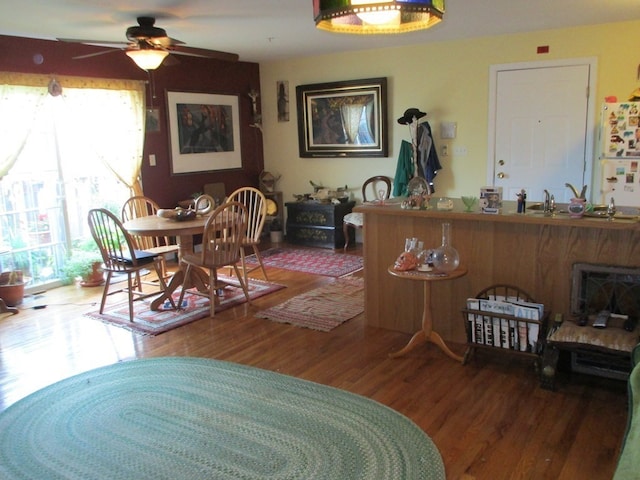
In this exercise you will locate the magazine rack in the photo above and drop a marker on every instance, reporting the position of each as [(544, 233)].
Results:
[(502, 332)]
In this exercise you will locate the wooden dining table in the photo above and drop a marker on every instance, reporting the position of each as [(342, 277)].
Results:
[(183, 230)]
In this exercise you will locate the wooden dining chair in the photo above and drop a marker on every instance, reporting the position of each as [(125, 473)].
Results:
[(120, 255), (221, 245), (256, 204), (141, 206), (374, 186)]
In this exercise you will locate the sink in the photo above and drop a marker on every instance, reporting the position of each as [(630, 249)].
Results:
[(538, 208), (595, 210)]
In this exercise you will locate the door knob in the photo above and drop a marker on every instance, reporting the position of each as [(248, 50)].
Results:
[(501, 175)]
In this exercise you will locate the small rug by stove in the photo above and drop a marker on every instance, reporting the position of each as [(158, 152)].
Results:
[(310, 260), (323, 308), (194, 307)]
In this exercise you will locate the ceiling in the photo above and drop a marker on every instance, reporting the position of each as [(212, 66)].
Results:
[(268, 30)]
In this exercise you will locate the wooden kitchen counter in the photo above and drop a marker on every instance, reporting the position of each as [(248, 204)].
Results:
[(531, 251)]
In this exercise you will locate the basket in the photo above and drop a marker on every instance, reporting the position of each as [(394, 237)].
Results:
[(506, 319)]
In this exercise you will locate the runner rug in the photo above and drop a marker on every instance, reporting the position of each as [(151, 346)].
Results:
[(310, 260), (323, 308), (194, 418), (194, 307)]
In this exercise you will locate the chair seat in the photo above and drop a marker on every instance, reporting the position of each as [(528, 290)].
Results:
[(354, 218), (213, 261), (163, 249), (143, 257)]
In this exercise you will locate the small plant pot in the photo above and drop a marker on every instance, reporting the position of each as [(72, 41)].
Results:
[(12, 294), (577, 207), (95, 278)]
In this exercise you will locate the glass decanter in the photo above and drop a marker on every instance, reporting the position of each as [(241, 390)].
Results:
[(446, 258)]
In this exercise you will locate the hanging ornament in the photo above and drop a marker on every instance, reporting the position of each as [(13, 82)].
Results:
[(54, 87)]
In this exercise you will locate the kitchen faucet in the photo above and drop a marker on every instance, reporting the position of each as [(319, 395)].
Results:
[(549, 205), (546, 206)]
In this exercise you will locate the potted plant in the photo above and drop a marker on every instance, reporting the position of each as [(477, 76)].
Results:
[(12, 287), (85, 262), (275, 231)]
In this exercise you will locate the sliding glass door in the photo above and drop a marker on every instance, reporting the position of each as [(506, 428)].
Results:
[(44, 199)]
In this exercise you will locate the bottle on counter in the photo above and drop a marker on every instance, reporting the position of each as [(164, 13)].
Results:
[(445, 258)]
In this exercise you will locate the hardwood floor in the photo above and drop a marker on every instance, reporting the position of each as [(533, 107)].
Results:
[(489, 419)]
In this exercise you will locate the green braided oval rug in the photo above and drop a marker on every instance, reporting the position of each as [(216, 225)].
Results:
[(185, 418)]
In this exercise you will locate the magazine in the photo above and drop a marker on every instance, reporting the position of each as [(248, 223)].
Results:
[(501, 332)]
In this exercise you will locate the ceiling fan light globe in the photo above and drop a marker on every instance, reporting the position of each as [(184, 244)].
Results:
[(147, 59)]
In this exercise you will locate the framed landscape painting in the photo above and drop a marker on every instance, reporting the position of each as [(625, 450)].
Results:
[(204, 132), (343, 119)]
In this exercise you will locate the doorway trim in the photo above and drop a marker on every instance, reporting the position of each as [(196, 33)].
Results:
[(590, 125)]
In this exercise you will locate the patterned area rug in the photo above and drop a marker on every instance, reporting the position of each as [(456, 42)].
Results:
[(195, 418), (194, 307), (323, 308), (310, 260)]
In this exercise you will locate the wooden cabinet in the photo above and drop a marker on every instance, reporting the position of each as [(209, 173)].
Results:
[(317, 224)]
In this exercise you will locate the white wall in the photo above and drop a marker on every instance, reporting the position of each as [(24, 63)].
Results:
[(449, 81)]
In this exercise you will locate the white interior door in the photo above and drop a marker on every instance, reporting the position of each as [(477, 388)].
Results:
[(541, 138)]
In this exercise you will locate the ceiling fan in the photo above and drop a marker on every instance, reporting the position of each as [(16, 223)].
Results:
[(149, 45)]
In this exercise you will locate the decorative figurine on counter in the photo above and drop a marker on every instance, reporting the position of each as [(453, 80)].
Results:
[(418, 194), (405, 262), (522, 201)]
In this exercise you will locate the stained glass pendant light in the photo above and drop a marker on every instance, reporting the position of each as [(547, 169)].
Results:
[(376, 16)]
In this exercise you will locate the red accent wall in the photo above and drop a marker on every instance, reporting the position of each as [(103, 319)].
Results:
[(178, 73)]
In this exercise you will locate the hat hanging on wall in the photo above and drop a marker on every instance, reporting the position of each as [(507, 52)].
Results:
[(409, 114)]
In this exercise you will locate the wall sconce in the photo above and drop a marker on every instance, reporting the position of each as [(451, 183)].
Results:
[(257, 118), (376, 16), (147, 58)]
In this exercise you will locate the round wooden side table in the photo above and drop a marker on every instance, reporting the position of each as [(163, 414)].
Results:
[(427, 334)]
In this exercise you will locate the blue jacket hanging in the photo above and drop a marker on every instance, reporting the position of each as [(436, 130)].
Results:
[(428, 161)]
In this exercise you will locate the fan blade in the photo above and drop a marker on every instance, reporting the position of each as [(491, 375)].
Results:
[(205, 53), (170, 61), (93, 42), (164, 42), (96, 54)]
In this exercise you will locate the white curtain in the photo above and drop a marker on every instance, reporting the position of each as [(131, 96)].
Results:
[(103, 117), (116, 141), (23, 103)]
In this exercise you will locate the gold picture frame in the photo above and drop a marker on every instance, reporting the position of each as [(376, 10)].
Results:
[(343, 119)]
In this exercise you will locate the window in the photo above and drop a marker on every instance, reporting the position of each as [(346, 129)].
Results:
[(76, 141)]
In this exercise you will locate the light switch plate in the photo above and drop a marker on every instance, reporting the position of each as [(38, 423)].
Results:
[(448, 129)]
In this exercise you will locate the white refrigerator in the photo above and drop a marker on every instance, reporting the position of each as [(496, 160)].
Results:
[(620, 157)]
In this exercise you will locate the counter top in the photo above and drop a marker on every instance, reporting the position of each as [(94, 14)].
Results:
[(392, 207)]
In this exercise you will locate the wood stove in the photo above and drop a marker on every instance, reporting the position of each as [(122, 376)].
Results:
[(604, 351)]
